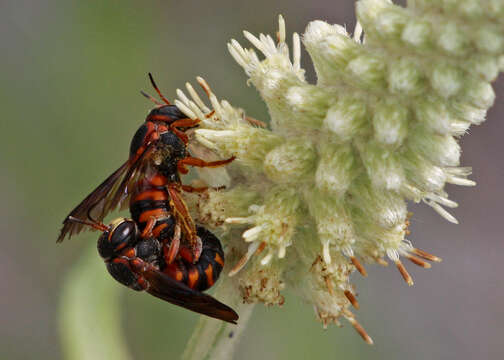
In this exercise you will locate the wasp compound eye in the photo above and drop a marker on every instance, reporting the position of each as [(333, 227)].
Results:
[(123, 235), (138, 139), (173, 141), (105, 249)]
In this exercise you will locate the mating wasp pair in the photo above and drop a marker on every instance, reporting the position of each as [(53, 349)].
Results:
[(160, 250)]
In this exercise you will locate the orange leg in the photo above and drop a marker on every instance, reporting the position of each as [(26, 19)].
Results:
[(183, 123), (191, 189), (186, 254), (183, 217), (182, 168), (174, 246), (192, 161), (147, 232), (180, 134), (197, 248)]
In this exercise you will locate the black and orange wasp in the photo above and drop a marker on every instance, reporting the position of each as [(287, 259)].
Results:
[(136, 263), (150, 180)]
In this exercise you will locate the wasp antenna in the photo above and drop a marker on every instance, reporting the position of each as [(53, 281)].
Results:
[(157, 89), (97, 226), (150, 98)]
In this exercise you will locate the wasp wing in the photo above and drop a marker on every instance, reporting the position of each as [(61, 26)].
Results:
[(168, 289), (106, 197)]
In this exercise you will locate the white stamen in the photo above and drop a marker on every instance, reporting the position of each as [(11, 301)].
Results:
[(442, 200), (196, 110), (196, 98), (252, 234), (250, 251), (393, 254), (325, 252), (269, 44), (237, 56), (216, 105), (182, 96), (407, 245), (265, 260), (296, 52), (459, 171), (281, 252), (459, 181), (206, 142), (185, 109), (215, 134), (281, 29), (441, 211), (256, 42), (357, 32), (347, 251), (239, 220), (238, 48)]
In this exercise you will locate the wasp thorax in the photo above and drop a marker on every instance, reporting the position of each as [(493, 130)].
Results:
[(160, 155), (173, 144), (138, 139), (170, 111)]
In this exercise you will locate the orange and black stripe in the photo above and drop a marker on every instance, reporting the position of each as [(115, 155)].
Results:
[(204, 273), (151, 199)]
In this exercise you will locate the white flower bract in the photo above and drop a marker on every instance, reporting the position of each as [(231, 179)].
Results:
[(328, 182)]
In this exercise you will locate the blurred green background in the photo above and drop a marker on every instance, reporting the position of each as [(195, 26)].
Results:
[(71, 72)]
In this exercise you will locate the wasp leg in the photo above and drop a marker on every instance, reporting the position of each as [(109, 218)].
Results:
[(147, 232), (192, 161), (182, 168), (192, 189), (183, 123), (197, 249), (182, 136), (181, 211), (184, 218), (186, 254), (173, 250)]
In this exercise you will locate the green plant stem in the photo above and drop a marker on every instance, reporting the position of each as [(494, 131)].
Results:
[(90, 313), (215, 339)]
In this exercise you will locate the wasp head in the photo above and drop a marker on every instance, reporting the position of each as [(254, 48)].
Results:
[(123, 233)]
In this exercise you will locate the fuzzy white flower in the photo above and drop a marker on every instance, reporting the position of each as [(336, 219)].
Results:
[(328, 183)]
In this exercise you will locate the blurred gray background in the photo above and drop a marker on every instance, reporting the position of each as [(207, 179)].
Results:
[(70, 73)]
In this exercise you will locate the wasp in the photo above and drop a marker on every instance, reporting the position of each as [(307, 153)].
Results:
[(138, 264), (158, 155), (150, 179)]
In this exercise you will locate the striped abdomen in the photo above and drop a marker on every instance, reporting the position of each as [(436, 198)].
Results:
[(151, 200), (203, 274)]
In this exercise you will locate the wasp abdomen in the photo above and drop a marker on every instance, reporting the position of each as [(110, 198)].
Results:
[(151, 200), (205, 272)]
